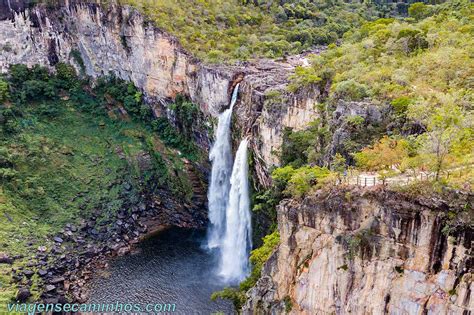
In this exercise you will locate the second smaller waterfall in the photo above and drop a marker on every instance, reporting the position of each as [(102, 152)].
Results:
[(236, 244)]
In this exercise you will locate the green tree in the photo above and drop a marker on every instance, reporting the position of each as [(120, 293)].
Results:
[(66, 76), (338, 164), (299, 181)]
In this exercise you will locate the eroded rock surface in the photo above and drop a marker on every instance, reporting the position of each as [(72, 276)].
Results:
[(117, 40), (372, 252)]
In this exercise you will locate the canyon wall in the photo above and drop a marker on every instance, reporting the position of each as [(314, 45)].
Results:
[(119, 40), (354, 251)]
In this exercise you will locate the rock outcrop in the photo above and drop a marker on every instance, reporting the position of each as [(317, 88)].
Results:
[(350, 251)]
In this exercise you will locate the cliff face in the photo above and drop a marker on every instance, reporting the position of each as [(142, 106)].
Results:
[(373, 252), (266, 108), (115, 40), (118, 40)]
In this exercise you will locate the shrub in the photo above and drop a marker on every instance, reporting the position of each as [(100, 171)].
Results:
[(215, 56), (236, 296), (304, 76), (355, 120), (387, 152), (412, 40), (258, 257), (265, 211), (19, 73), (35, 89), (419, 10), (4, 91), (187, 115), (305, 146), (351, 90), (338, 163), (294, 146), (400, 104), (299, 181), (171, 137), (121, 91), (304, 178), (76, 56), (288, 304), (31, 84), (66, 76)]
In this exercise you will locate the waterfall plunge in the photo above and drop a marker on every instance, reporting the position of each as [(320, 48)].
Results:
[(229, 205), (236, 242), (221, 159)]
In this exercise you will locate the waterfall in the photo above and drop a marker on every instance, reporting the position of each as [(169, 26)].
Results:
[(229, 204), (236, 243), (221, 159)]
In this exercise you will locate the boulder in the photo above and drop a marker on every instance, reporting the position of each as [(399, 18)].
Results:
[(28, 273), (51, 300), (123, 251), (49, 288), (23, 294), (57, 280), (5, 259)]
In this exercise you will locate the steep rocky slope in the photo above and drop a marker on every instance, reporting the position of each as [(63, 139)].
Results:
[(87, 180), (368, 252)]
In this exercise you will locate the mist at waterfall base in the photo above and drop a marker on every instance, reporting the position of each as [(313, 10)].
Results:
[(229, 232), (171, 267), (236, 243)]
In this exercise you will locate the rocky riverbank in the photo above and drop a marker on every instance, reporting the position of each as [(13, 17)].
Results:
[(66, 262)]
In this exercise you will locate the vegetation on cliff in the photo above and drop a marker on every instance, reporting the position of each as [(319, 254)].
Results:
[(69, 152), (258, 257), (418, 71), (419, 68), (226, 31)]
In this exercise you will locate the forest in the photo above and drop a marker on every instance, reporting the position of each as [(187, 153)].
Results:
[(228, 31)]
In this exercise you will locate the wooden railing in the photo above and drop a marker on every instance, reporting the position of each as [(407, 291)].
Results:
[(368, 180)]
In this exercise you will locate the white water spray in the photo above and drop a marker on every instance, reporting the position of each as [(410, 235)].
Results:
[(221, 159), (236, 245)]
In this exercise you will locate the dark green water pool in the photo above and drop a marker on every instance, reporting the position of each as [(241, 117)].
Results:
[(170, 268)]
